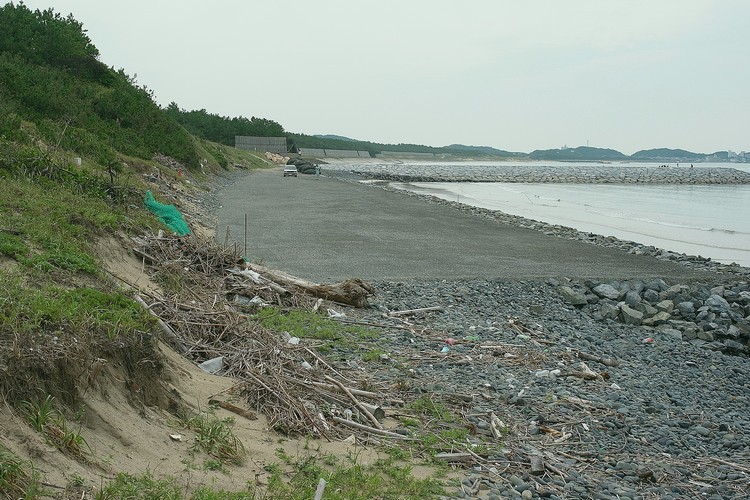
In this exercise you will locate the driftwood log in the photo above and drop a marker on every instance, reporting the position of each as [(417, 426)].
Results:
[(352, 292)]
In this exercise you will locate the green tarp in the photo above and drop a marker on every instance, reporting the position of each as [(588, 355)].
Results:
[(168, 214)]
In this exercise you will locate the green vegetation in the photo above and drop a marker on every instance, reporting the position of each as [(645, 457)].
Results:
[(47, 420), (215, 437), (222, 129), (304, 324), (429, 407), (85, 313), (18, 479), (385, 478)]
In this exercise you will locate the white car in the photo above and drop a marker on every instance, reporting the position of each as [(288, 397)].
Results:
[(290, 170)]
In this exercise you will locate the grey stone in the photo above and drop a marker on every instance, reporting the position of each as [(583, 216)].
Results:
[(572, 297), (665, 305), (671, 333), (630, 316), (701, 431), (661, 318), (686, 308), (704, 335), (651, 296), (632, 298), (658, 285), (733, 332), (717, 303), (607, 291), (609, 311), (647, 309)]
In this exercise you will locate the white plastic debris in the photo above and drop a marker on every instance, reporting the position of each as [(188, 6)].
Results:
[(175, 437), (213, 365), (335, 314), (293, 340)]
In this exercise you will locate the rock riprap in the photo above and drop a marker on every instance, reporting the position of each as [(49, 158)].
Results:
[(718, 317), (586, 174)]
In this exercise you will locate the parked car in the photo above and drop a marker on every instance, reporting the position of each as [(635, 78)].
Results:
[(290, 170)]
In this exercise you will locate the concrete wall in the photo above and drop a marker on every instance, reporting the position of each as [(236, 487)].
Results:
[(272, 144)]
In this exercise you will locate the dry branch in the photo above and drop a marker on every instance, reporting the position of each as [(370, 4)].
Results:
[(356, 392), (356, 402), (353, 292), (164, 327), (415, 311), (372, 430), (598, 359)]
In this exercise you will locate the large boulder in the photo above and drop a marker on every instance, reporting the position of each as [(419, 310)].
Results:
[(609, 311), (665, 305), (651, 296), (573, 297), (717, 303), (607, 291), (630, 316), (686, 308), (632, 298)]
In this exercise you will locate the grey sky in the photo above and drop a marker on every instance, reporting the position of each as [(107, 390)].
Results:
[(515, 75)]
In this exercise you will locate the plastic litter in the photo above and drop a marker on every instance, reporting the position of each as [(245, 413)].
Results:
[(335, 314), (450, 341), (168, 214), (213, 365), (445, 349)]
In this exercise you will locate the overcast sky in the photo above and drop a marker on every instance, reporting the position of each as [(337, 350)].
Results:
[(515, 75)]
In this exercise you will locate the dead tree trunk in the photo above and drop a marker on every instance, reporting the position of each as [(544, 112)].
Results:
[(352, 292)]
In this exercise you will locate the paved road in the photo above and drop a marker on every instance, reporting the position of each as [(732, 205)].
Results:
[(323, 229)]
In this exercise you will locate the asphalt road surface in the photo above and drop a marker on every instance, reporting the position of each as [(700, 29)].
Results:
[(327, 230)]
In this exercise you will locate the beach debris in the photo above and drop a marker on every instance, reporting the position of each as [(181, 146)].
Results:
[(351, 292), (320, 489), (213, 365), (415, 311), (335, 314)]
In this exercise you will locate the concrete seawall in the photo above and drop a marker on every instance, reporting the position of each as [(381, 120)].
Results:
[(594, 174)]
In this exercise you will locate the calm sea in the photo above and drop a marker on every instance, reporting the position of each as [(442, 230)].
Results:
[(712, 221)]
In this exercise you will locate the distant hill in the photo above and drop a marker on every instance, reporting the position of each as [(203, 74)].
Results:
[(665, 154), (335, 137), (581, 153), (485, 150)]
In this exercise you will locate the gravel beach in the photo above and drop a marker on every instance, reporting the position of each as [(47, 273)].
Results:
[(623, 370)]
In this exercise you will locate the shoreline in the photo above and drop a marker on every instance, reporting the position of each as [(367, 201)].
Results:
[(630, 247)]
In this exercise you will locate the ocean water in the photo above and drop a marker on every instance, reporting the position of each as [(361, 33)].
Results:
[(711, 221)]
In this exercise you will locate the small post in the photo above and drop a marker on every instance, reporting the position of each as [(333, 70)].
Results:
[(244, 254)]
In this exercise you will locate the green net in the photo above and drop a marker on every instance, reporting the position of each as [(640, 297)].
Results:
[(168, 214)]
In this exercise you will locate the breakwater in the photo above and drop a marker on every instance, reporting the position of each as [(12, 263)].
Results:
[(579, 174)]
